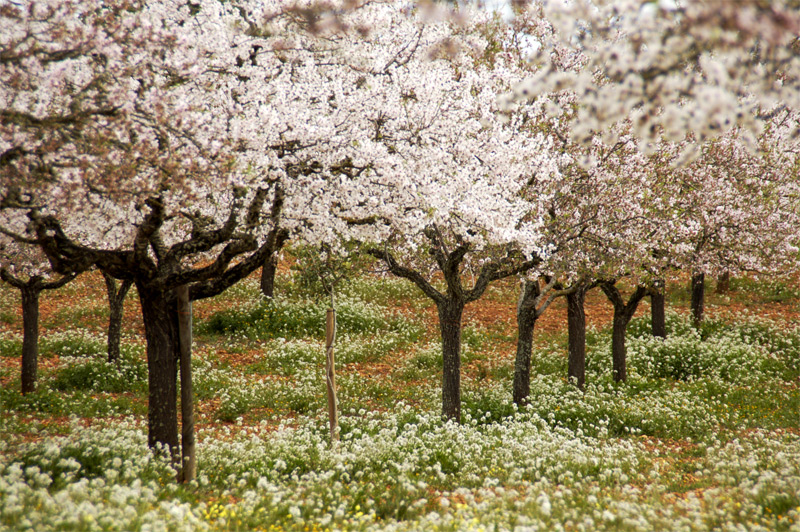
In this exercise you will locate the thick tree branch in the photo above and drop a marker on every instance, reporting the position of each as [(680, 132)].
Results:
[(438, 250), (407, 273), (19, 238), (622, 307), (538, 298), (10, 279), (494, 271), (612, 293), (201, 240), (151, 224), (54, 122), (67, 257), (232, 250), (64, 255), (451, 270), (275, 240), (36, 282), (58, 283)]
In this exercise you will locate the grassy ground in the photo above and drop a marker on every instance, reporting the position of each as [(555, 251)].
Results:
[(704, 436)]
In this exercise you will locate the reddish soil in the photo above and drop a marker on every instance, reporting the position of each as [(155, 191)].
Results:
[(71, 307)]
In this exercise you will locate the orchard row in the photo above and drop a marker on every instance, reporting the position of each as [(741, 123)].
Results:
[(178, 145)]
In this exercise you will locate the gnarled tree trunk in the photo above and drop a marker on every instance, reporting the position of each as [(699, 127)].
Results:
[(159, 312), (188, 469), (116, 305), (657, 310), (623, 312), (450, 313), (270, 267), (158, 269), (526, 322), (268, 275), (450, 305), (618, 347), (576, 328), (30, 291), (533, 302), (30, 335), (698, 298)]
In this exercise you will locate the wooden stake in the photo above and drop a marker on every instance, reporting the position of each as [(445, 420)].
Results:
[(330, 337), (188, 459)]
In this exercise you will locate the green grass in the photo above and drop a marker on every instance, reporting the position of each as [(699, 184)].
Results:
[(283, 318), (49, 401), (9, 318), (72, 343), (703, 436), (96, 374), (78, 317), (10, 345), (770, 290)]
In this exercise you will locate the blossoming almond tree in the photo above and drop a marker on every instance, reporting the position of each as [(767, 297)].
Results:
[(728, 210), (671, 67), (24, 267), (737, 210), (663, 72), (112, 149), (439, 189), (50, 117), (220, 122), (594, 208)]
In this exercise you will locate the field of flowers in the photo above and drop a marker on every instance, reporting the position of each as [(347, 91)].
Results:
[(704, 436)]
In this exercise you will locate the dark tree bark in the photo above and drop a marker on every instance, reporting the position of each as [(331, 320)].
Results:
[(533, 301), (270, 267), (157, 270), (698, 298), (30, 336), (658, 310), (161, 332), (30, 291), (268, 276), (724, 283), (450, 312), (576, 328), (526, 322), (450, 304), (188, 468), (623, 312), (618, 348), (116, 304)]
